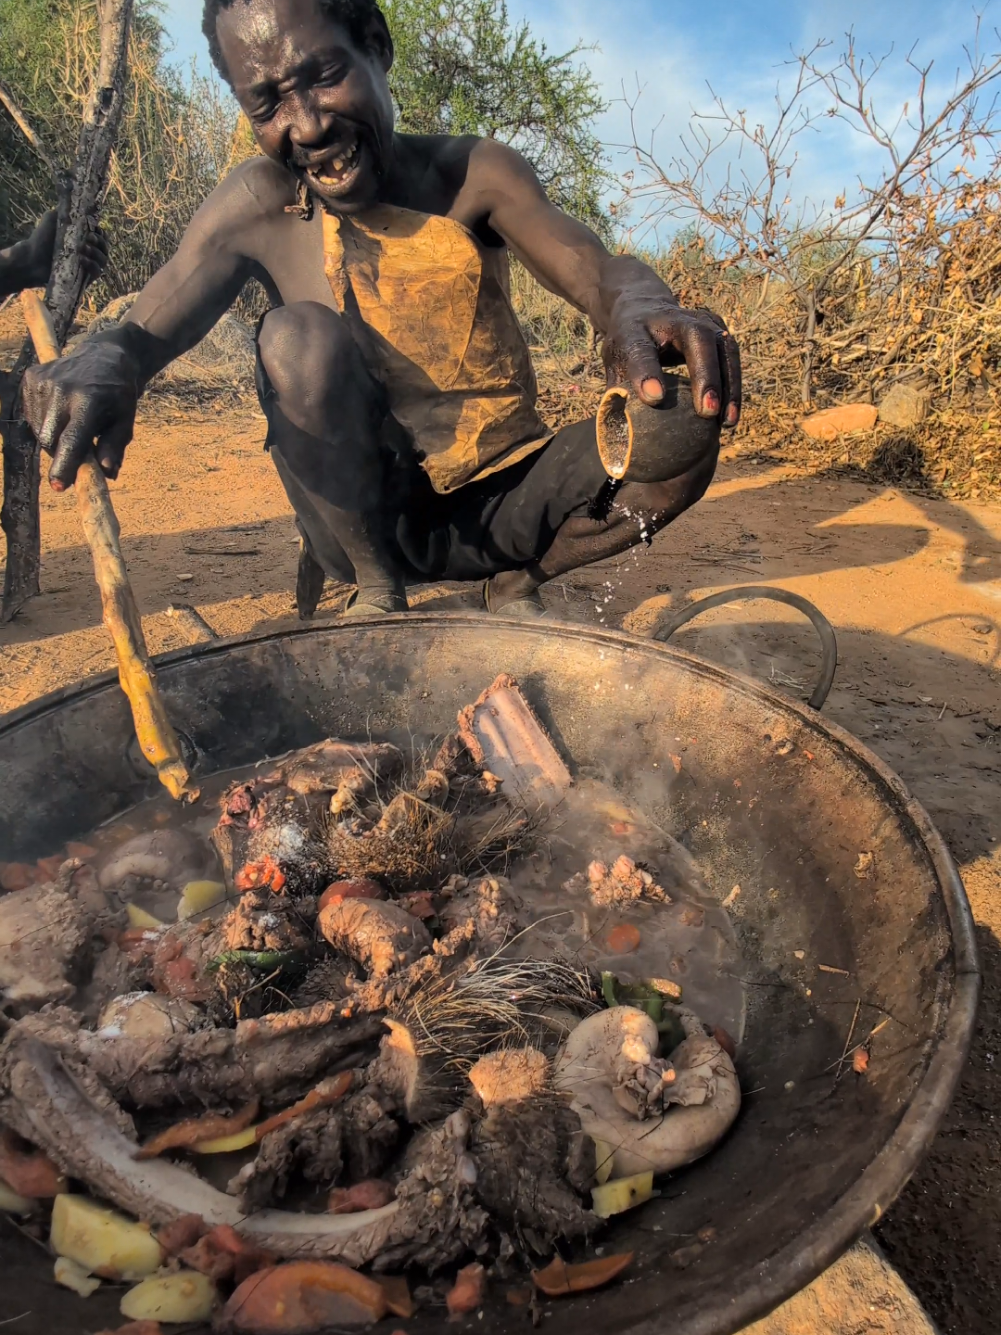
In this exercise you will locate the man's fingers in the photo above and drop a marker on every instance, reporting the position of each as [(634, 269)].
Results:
[(45, 228), (111, 448), (700, 344), (47, 414), (92, 262), (731, 362), (94, 252), (642, 365), (75, 443), (728, 357)]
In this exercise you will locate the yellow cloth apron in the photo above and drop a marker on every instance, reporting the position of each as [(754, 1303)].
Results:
[(432, 311)]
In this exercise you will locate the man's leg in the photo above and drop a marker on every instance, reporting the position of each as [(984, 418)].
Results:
[(592, 518), (325, 415), (638, 510)]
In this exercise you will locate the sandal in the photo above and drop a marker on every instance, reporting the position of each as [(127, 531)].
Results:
[(529, 608), (363, 609)]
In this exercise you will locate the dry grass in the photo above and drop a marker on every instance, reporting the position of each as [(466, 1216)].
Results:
[(956, 452)]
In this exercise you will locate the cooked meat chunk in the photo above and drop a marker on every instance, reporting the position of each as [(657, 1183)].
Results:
[(262, 921), (310, 1146), (526, 1154), (45, 937), (382, 937)]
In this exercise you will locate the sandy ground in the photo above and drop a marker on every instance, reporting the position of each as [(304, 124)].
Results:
[(912, 585)]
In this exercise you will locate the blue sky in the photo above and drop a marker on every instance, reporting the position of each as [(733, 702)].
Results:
[(674, 52)]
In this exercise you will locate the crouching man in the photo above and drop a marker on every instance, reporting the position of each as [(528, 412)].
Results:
[(397, 385)]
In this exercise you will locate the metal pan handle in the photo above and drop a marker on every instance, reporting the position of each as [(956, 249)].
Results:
[(829, 643)]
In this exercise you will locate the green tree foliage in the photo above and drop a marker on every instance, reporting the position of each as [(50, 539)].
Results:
[(462, 67)]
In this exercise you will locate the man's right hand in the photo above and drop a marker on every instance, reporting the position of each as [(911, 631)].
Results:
[(82, 404)]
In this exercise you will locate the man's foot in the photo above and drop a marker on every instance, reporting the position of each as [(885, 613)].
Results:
[(525, 607), (378, 605)]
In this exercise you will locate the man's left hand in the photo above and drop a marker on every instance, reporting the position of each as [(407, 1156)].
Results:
[(643, 336), (94, 252)]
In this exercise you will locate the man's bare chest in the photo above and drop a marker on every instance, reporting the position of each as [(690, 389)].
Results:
[(289, 248)]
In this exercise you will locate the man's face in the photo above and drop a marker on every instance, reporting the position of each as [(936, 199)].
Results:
[(319, 103)]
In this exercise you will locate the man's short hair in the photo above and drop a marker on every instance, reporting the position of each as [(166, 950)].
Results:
[(355, 15)]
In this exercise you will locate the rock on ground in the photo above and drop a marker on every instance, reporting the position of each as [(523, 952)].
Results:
[(904, 406), (861, 1295), (833, 422)]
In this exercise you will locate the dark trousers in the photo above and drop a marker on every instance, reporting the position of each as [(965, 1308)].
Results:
[(368, 512)]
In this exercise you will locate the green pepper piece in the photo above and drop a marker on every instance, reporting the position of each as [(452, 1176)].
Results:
[(644, 998), (268, 960), (672, 1032)]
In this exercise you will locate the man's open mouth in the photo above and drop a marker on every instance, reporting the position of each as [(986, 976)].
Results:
[(336, 174)]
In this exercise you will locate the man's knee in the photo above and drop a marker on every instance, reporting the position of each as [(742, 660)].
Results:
[(304, 348), (656, 504)]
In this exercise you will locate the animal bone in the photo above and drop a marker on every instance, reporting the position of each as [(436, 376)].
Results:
[(277, 1056), (433, 1220)]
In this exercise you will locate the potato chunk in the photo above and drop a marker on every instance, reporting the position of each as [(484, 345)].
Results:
[(138, 917), (198, 897), (73, 1276), (103, 1241), (621, 1194), (185, 1297), (12, 1203)]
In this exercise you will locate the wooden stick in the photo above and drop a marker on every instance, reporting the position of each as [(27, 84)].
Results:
[(157, 737), (40, 327), (79, 191)]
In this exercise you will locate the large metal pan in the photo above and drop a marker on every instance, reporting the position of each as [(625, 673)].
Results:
[(769, 796)]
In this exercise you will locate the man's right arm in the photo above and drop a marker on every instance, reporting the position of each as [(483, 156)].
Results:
[(87, 400)]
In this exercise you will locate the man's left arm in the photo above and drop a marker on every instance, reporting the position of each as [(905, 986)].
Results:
[(640, 321), (28, 263)]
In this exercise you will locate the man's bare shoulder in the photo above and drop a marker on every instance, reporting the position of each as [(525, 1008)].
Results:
[(245, 215), (467, 160), (469, 174), (258, 185), (496, 167)]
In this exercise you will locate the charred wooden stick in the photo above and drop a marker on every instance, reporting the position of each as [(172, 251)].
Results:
[(156, 734), (80, 191)]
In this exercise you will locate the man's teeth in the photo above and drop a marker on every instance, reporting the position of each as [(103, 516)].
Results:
[(334, 170)]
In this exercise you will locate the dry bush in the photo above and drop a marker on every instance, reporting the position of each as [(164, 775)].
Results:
[(900, 279)]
